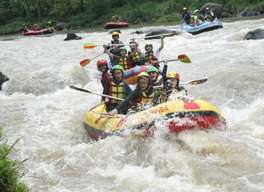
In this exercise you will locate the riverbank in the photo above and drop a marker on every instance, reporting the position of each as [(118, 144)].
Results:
[(93, 14), (100, 28)]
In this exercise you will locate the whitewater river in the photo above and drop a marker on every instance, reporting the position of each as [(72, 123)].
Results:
[(38, 107)]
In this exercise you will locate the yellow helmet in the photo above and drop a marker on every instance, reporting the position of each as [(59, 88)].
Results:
[(115, 34), (173, 75), (196, 12)]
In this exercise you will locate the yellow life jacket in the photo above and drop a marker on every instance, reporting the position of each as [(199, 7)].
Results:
[(136, 56), (149, 56), (117, 90), (147, 99), (123, 61)]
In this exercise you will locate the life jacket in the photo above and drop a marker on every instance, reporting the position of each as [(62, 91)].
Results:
[(149, 56), (136, 57), (116, 50), (158, 81), (147, 99), (115, 42), (117, 90), (123, 61)]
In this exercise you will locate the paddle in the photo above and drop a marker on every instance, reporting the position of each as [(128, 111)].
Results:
[(195, 82), (92, 45), (109, 115), (85, 62), (192, 82), (93, 93), (153, 36), (183, 58)]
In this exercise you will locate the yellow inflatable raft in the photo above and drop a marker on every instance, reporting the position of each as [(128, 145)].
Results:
[(183, 114)]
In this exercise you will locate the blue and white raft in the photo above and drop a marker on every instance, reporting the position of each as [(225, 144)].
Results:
[(203, 27)]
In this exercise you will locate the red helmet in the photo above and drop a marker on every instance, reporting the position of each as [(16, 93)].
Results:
[(101, 62)]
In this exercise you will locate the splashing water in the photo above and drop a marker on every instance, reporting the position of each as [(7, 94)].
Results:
[(38, 107)]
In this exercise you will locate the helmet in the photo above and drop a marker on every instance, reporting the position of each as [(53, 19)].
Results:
[(123, 48), (172, 75), (147, 45), (142, 74), (184, 8), (115, 34), (117, 67), (101, 62), (196, 12), (153, 69)]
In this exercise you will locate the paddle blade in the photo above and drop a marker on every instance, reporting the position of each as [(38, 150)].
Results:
[(196, 82), (184, 58), (85, 62), (89, 45)]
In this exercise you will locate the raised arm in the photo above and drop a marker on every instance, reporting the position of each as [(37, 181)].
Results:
[(161, 43)]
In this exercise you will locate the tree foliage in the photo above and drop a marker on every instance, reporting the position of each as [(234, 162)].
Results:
[(94, 12)]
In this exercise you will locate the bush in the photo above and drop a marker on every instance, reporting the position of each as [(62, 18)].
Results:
[(9, 170)]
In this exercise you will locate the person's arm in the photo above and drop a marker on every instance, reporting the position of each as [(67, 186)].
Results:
[(161, 43), (127, 90), (106, 86), (183, 89), (121, 44), (124, 105), (108, 52)]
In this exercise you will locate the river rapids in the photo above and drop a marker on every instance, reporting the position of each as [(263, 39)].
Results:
[(38, 107)]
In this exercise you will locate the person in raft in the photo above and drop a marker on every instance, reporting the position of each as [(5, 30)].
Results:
[(114, 47), (115, 87), (155, 76), (25, 28), (175, 90), (35, 27), (122, 59), (186, 16), (151, 57), (195, 19), (143, 97), (116, 19), (209, 14), (103, 67), (134, 55), (50, 26)]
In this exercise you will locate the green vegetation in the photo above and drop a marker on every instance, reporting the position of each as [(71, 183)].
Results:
[(92, 13), (9, 170)]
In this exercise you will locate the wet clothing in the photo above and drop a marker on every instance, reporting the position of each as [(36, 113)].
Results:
[(117, 89)]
